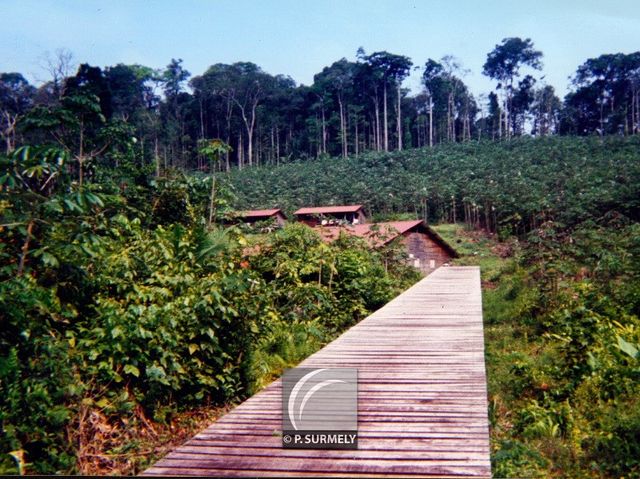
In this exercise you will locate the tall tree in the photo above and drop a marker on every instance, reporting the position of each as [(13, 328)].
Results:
[(368, 82), (253, 85), (522, 100), (503, 64), (16, 97), (433, 85), (451, 108), (280, 115), (606, 96), (214, 150), (391, 70), (546, 108), (90, 81), (130, 89), (338, 79), (215, 91), (455, 91), (134, 102), (60, 65), (173, 78), (77, 122)]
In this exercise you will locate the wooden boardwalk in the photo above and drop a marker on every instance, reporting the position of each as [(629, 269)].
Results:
[(422, 399)]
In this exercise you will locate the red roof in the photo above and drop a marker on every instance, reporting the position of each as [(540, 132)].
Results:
[(385, 233), (318, 210), (258, 213)]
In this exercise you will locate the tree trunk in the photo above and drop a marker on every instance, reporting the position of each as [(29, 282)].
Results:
[(318, 138), (385, 119), (201, 120), (634, 100), (259, 148), (449, 117), (25, 248), (212, 199), (376, 103), (9, 132), (81, 154), (487, 218), (601, 116), (249, 126), (345, 132), (636, 120), (356, 133), (324, 132), (250, 136), (277, 145), (272, 150), (8, 144), (507, 111), (430, 122), (453, 208), (399, 117), (342, 127), (229, 114)]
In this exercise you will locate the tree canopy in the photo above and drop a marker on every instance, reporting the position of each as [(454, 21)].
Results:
[(352, 106)]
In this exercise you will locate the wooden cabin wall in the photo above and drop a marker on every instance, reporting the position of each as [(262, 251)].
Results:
[(430, 254)]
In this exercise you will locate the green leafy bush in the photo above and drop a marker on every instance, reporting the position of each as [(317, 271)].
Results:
[(121, 307)]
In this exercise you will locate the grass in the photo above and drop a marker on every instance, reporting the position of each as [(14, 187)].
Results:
[(476, 248), (127, 445), (284, 346), (510, 355)]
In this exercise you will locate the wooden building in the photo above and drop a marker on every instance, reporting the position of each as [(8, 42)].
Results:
[(426, 249), (254, 216), (331, 215)]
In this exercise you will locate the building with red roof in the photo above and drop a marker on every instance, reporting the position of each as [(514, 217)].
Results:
[(254, 216), (331, 215), (426, 248)]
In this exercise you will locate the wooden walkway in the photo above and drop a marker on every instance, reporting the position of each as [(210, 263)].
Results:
[(422, 400)]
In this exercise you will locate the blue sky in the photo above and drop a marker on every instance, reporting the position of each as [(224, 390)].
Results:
[(298, 38)]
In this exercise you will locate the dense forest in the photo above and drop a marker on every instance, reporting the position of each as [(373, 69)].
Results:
[(125, 306), (351, 107)]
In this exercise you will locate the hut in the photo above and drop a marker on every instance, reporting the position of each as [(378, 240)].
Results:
[(254, 216), (426, 248), (331, 215)]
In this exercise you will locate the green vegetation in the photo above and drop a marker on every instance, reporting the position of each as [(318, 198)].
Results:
[(126, 310), (559, 256), (120, 308), (351, 106), (563, 339), (507, 188)]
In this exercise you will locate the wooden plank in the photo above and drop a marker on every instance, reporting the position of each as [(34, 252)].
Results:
[(422, 404)]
